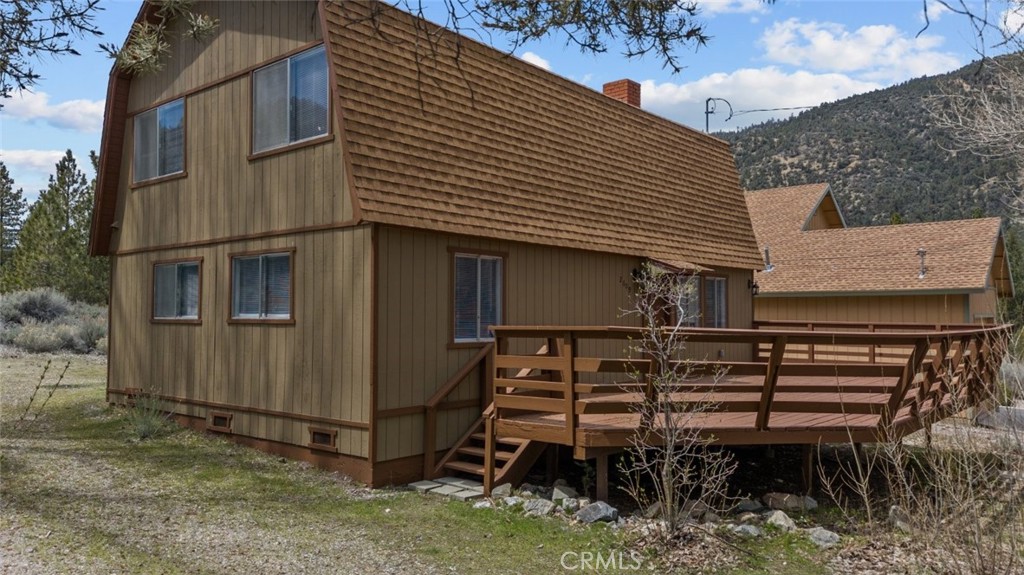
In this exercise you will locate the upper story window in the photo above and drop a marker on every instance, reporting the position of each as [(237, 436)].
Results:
[(290, 100), (176, 287), (477, 293), (261, 287), (160, 141)]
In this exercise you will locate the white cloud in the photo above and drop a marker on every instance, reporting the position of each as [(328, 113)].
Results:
[(748, 89), (935, 10), (536, 60), (31, 160), (1012, 20), (80, 115), (877, 53), (713, 7)]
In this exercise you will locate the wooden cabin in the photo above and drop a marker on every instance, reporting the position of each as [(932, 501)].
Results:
[(817, 269), (314, 216)]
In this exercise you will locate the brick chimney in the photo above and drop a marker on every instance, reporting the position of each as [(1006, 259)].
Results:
[(626, 91)]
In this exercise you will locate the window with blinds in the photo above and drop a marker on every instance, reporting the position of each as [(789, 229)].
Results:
[(160, 141), (176, 291), (687, 312), (477, 293), (290, 100), (261, 286), (716, 294)]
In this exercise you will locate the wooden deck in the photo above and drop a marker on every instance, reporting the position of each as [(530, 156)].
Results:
[(805, 386)]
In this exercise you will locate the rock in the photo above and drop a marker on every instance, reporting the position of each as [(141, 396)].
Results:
[(694, 508), (528, 489), (483, 505), (540, 507), (746, 505), (748, 518), (654, 511), (789, 502), (822, 537), (503, 490), (598, 511), (898, 519), (712, 517), (584, 501), (746, 530), (570, 505), (782, 521), (512, 501), (1002, 417), (563, 492), (560, 483)]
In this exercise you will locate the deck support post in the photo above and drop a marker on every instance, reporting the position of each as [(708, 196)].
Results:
[(490, 439), (809, 464), (602, 477), (551, 465)]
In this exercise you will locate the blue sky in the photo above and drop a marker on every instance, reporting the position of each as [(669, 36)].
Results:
[(791, 53)]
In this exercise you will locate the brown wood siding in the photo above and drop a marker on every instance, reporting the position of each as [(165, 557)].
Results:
[(248, 33), (318, 368), (984, 306), (226, 195), (889, 309), (826, 216), (544, 286)]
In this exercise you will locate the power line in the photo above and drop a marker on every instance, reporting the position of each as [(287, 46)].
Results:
[(711, 107)]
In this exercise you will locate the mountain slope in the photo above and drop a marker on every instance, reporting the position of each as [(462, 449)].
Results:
[(880, 153)]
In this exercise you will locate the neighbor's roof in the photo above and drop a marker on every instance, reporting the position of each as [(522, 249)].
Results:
[(488, 145), (877, 259), (779, 212)]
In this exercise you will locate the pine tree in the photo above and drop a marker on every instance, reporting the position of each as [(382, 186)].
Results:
[(12, 212), (54, 241)]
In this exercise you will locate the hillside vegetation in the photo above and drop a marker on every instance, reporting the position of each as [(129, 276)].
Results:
[(882, 155)]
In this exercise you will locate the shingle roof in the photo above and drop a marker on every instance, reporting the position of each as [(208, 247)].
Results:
[(880, 259), (488, 145), (779, 212)]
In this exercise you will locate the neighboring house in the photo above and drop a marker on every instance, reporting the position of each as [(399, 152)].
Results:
[(819, 270), (309, 238)]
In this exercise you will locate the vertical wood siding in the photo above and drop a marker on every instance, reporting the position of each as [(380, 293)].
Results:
[(544, 286), (984, 306), (319, 367), (225, 194), (898, 309)]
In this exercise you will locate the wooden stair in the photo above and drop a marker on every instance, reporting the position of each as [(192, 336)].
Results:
[(513, 457)]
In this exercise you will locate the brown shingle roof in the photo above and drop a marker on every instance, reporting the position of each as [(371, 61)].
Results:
[(488, 145), (877, 259), (779, 212)]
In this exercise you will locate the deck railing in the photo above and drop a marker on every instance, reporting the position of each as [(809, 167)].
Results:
[(831, 353), (921, 374)]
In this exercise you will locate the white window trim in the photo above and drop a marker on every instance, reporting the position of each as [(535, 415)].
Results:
[(288, 112), (263, 292), (135, 140), (177, 288), (498, 299)]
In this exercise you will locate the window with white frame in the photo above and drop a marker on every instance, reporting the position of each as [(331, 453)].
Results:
[(716, 294), (160, 141), (176, 290), (261, 286), (477, 292), (290, 100)]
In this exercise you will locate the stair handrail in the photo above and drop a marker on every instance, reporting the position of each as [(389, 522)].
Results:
[(442, 393)]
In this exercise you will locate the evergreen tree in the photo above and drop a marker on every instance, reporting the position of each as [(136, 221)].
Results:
[(54, 241), (12, 212)]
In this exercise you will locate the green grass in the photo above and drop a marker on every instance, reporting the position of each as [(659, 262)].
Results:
[(84, 494)]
